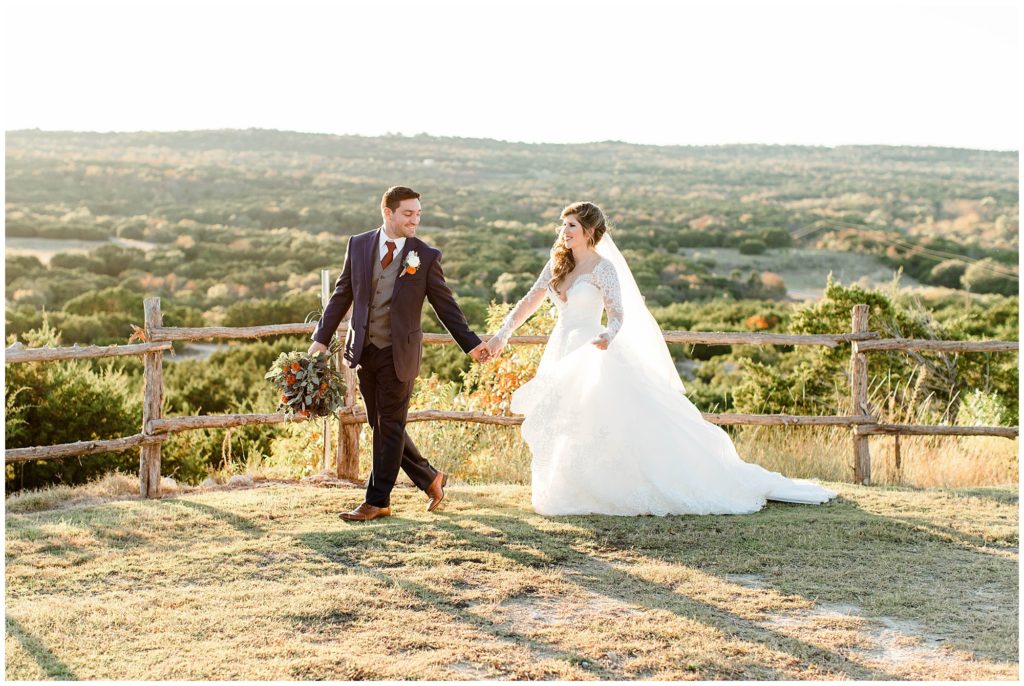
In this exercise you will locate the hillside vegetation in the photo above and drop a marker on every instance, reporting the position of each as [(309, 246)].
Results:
[(232, 228)]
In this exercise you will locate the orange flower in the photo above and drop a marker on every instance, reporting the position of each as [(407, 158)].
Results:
[(296, 366), (757, 322), (410, 270), (290, 378), (284, 398)]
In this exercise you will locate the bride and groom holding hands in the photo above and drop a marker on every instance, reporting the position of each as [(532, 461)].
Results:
[(605, 417)]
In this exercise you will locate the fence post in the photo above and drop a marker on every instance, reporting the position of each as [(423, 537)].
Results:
[(859, 397), (899, 460), (348, 434), (325, 296), (152, 405)]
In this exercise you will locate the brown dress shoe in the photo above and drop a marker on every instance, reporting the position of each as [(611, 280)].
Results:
[(365, 513), (436, 491)]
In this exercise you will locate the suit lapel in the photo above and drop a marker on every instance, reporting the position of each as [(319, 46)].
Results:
[(405, 251), (370, 256)]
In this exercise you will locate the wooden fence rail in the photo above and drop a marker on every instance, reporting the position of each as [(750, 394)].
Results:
[(19, 353), (170, 333), (722, 419), (156, 428), (935, 346), (869, 429), (54, 452)]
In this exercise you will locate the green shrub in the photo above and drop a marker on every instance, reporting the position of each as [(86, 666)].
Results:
[(752, 246), (63, 402), (17, 266), (105, 301), (261, 312), (947, 273), (988, 276), (74, 260), (777, 238)]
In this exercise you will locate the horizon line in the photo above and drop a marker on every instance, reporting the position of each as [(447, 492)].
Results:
[(424, 134)]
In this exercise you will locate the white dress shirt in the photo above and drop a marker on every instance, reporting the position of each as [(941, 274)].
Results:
[(382, 248)]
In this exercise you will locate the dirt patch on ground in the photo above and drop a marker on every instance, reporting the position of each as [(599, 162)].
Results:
[(748, 580), (900, 646), (581, 606)]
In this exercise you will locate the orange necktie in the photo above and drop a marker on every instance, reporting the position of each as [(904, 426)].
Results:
[(386, 260)]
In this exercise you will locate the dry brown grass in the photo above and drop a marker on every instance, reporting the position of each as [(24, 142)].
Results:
[(109, 486), (267, 583), (826, 452)]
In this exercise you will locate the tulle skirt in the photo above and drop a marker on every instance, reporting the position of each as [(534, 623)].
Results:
[(606, 440)]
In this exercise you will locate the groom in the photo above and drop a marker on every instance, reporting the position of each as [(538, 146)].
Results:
[(387, 274)]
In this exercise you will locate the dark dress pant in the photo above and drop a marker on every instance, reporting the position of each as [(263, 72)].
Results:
[(387, 407)]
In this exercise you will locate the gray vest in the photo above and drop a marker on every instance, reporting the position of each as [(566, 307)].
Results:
[(381, 288)]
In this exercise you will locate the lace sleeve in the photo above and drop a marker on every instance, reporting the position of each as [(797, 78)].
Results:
[(606, 279), (526, 306)]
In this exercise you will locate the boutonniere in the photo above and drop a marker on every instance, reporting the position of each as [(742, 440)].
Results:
[(411, 264)]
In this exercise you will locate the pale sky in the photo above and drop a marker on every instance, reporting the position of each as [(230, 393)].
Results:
[(894, 72)]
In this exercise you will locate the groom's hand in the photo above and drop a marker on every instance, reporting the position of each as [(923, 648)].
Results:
[(317, 347), (480, 353)]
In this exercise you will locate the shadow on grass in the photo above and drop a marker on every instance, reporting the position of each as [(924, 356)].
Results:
[(996, 495), (836, 552), (245, 526), (332, 547), (973, 542), (47, 661), (622, 586), (554, 549)]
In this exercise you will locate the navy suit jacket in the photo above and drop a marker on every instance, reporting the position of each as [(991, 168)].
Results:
[(353, 289)]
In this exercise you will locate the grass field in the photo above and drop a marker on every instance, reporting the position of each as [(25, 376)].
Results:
[(267, 583)]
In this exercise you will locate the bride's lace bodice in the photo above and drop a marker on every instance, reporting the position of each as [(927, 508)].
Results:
[(580, 309)]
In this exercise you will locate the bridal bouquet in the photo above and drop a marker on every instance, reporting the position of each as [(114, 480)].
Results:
[(309, 384)]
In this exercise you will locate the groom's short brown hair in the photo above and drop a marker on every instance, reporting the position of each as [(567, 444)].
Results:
[(394, 196)]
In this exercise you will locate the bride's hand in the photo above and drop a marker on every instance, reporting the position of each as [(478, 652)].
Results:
[(601, 342), (494, 347)]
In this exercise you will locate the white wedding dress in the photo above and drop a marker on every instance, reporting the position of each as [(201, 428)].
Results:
[(611, 431)]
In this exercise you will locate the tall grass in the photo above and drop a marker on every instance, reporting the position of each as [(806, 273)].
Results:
[(478, 453), (113, 484), (826, 452)]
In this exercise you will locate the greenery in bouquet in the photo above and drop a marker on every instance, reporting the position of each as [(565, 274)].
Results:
[(309, 384)]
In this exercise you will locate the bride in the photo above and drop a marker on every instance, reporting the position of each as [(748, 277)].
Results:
[(605, 416)]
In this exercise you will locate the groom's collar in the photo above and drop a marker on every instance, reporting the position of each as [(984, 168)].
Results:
[(382, 238)]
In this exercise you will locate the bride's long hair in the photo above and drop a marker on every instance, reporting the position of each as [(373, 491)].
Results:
[(592, 220)]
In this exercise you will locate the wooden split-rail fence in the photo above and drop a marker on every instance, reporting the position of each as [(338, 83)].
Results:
[(156, 428)]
